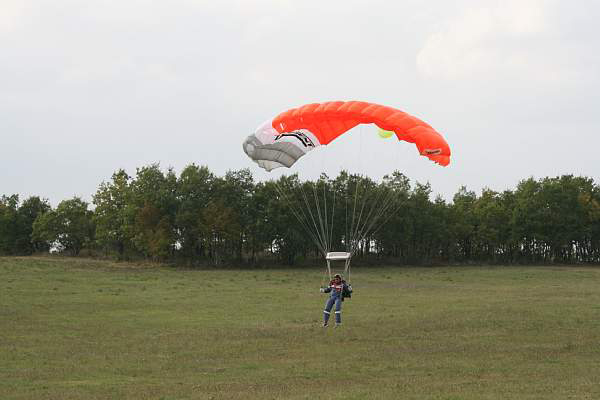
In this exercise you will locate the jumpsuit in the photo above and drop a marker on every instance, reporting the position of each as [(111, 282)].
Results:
[(336, 298)]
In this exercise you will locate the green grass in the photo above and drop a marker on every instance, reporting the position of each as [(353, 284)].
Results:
[(82, 329)]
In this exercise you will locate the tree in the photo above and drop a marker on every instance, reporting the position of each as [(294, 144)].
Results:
[(27, 213), (464, 223), (155, 236), (490, 217), (70, 226), (392, 237), (151, 212), (8, 223), (195, 187), (113, 202), (219, 224)]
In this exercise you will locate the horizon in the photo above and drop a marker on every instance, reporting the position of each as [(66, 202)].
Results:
[(273, 177)]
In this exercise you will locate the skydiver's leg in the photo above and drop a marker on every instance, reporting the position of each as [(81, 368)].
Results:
[(338, 311), (327, 311)]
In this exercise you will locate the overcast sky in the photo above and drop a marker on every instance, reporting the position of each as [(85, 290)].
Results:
[(88, 87)]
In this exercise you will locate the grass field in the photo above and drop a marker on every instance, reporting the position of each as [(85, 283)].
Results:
[(82, 329)]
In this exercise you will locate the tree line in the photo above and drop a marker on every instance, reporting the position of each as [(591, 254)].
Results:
[(197, 218)]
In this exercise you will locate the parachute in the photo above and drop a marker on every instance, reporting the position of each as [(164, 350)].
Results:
[(385, 134), (280, 142), (283, 140)]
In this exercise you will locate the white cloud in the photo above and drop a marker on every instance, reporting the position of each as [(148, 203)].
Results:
[(493, 39), (12, 13)]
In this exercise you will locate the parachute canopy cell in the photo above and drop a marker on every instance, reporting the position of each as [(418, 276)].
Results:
[(280, 142)]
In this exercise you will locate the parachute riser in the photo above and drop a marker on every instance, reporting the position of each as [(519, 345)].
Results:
[(339, 256)]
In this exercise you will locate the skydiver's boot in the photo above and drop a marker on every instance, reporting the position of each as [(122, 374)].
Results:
[(326, 315)]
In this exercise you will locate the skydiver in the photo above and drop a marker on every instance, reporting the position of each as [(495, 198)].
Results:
[(339, 290)]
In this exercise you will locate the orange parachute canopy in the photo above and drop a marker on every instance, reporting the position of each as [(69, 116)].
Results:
[(327, 121)]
